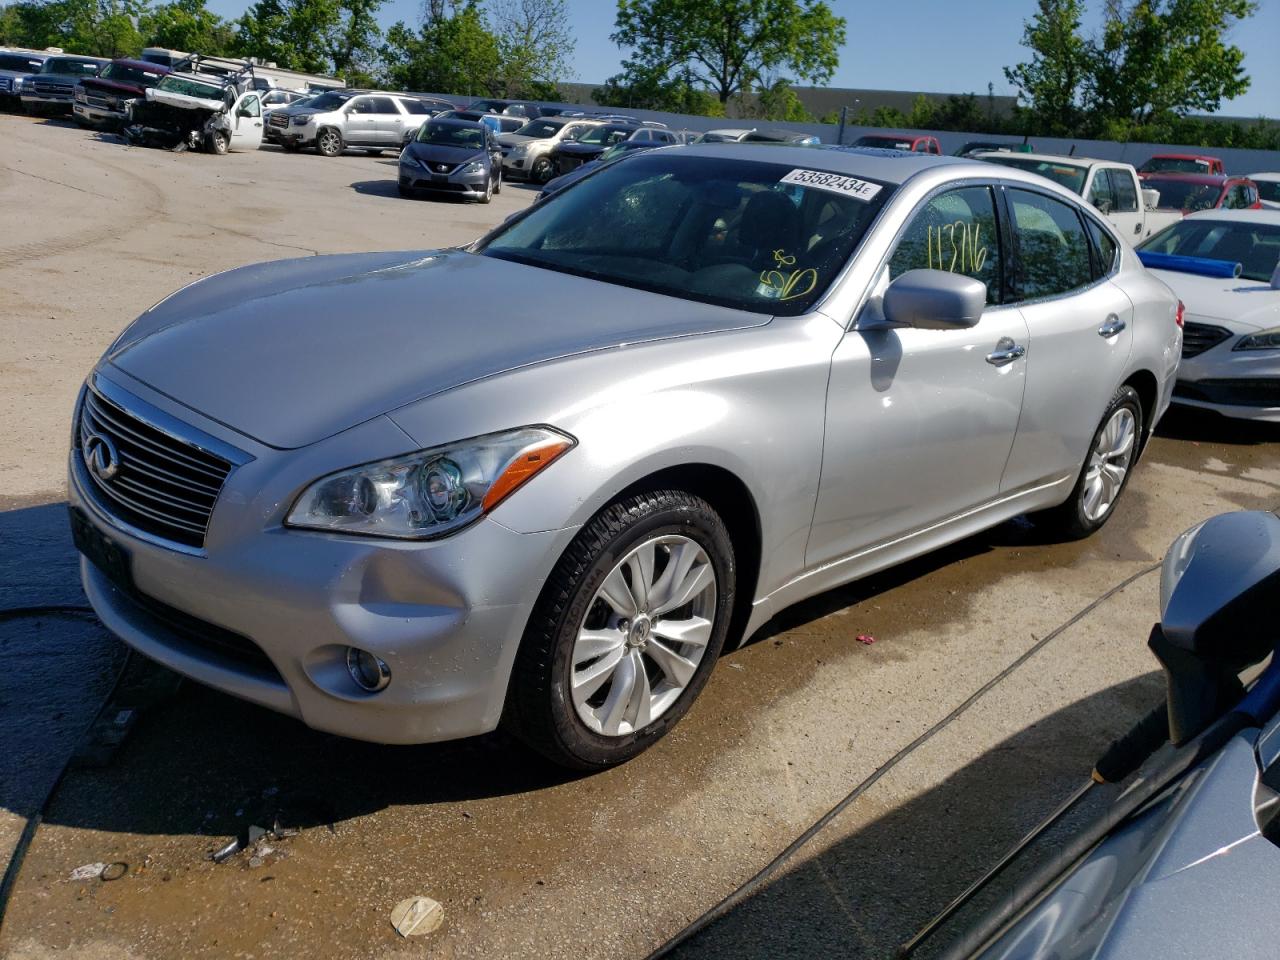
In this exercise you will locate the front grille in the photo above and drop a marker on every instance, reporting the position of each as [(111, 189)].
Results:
[(1199, 337), (446, 186), (51, 89), (6, 84), (1240, 392), (102, 100), (163, 486), (279, 120), (441, 167)]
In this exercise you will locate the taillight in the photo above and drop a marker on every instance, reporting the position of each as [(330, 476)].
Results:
[(1177, 317)]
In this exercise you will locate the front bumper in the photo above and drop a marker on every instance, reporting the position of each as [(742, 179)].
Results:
[(298, 136), (99, 116), (1243, 384), (417, 180), (266, 613), (47, 100)]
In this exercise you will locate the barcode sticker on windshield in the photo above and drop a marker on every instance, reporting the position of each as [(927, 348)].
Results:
[(845, 186)]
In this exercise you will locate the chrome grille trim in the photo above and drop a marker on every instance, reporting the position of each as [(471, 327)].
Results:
[(168, 477)]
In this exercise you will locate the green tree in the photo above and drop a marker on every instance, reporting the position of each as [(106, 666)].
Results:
[(779, 101), (1051, 82), (319, 36), (1158, 59), (453, 53), (535, 46), (726, 46), (187, 25), (353, 41)]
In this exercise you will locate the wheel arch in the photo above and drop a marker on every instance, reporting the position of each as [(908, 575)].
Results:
[(1148, 388)]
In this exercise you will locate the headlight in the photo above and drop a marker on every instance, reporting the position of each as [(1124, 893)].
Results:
[(520, 150), (410, 161), (302, 119), (429, 493), (1266, 340), (80, 97), (475, 166)]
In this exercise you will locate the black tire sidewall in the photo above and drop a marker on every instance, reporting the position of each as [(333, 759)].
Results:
[(541, 172), (1075, 523), (669, 512)]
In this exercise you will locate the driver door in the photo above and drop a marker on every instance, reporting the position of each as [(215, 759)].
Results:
[(919, 423), (246, 122)]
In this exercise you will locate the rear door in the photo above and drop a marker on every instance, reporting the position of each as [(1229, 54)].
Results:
[(920, 422), (362, 122), (389, 121), (1079, 334), (246, 122)]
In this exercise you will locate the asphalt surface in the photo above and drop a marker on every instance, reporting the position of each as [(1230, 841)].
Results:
[(526, 861)]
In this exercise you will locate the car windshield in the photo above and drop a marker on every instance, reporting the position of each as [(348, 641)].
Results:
[(764, 237), (1255, 246), (540, 129), (1174, 165), (447, 135), (191, 88), (885, 143), (605, 135), (1065, 174), (16, 61), (329, 101), (68, 67), (122, 73), (1185, 195)]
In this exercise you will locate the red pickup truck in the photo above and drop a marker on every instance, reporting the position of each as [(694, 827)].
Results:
[(1181, 163), (100, 101)]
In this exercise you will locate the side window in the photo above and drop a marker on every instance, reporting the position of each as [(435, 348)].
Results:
[(954, 231), (362, 105), (1101, 191), (414, 106), (250, 107), (1104, 247), (1126, 194), (1053, 252), (383, 105)]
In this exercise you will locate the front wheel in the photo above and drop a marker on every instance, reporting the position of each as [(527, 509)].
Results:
[(541, 171), (488, 191), (217, 142), (329, 142), (626, 631), (1112, 456), (497, 186)]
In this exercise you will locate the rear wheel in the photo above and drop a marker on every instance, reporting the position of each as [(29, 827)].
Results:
[(1112, 456), (541, 171), (626, 631), (329, 142)]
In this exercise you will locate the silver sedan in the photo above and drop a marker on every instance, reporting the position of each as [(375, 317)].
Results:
[(696, 387)]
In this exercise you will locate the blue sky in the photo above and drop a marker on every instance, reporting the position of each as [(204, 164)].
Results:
[(949, 46)]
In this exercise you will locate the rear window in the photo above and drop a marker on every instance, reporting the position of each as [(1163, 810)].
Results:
[(1064, 174)]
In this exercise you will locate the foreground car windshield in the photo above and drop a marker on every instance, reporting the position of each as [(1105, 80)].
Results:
[(764, 237), (1184, 195), (1255, 246), (122, 74), (450, 136), (1065, 174)]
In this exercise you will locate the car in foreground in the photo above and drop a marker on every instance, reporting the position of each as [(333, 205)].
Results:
[(568, 155), (14, 66), (1268, 189), (1182, 163), (1225, 266), (1111, 186), (52, 89), (1189, 192), (102, 101), (916, 143), (526, 154), (334, 121), (541, 480), (619, 150), (458, 157), (1177, 863)]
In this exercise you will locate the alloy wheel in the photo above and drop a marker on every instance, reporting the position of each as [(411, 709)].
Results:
[(1109, 464), (329, 143), (643, 636)]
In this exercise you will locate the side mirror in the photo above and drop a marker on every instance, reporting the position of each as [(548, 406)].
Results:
[(1219, 594), (935, 300), (1151, 197)]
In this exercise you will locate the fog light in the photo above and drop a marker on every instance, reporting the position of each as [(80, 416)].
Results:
[(370, 673)]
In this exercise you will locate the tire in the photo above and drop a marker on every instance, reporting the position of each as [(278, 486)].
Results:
[(1090, 504), (497, 186), (217, 143), (488, 191), (541, 171), (329, 143), (541, 709)]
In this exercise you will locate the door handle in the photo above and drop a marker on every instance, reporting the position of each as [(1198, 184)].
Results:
[(1006, 351), (1111, 327), (1137, 227)]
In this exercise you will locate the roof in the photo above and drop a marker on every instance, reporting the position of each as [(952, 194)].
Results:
[(1271, 217), (1183, 156), (1057, 158), (1208, 179), (1265, 177), (143, 65), (886, 166)]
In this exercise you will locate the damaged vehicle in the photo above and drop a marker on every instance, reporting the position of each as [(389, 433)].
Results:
[(189, 112), (101, 101)]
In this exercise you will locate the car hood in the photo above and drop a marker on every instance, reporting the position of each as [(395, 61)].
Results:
[(515, 139), (294, 351), (1247, 305), (442, 153), (102, 83)]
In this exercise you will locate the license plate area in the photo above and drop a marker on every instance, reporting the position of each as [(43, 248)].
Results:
[(103, 552)]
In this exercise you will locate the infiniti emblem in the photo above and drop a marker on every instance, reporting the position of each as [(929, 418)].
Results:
[(100, 456)]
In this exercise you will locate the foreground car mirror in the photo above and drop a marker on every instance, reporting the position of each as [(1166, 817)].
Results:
[(1218, 600), (935, 300)]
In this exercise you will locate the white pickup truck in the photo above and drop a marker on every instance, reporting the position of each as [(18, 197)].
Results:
[(1111, 186)]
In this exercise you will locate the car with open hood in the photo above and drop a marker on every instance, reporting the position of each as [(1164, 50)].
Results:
[(541, 480), (457, 157)]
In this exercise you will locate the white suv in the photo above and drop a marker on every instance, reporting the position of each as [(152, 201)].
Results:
[(369, 120)]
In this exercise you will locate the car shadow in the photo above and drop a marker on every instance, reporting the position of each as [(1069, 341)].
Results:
[(376, 188), (863, 888), (1199, 425)]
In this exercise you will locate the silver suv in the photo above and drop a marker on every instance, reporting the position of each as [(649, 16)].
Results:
[(370, 120), (526, 154)]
